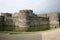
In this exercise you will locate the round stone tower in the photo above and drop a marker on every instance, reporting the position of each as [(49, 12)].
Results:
[(24, 19)]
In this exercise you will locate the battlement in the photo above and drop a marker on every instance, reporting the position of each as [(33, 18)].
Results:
[(5, 14), (26, 11)]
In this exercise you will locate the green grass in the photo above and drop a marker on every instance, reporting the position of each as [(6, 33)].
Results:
[(18, 32), (21, 32), (10, 32), (13, 32)]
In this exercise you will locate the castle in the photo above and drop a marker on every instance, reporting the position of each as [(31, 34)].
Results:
[(26, 20)]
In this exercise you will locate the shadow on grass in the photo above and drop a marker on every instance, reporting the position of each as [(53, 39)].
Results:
[(18, 32)]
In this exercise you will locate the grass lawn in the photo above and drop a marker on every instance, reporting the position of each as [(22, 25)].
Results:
[(12, 32)]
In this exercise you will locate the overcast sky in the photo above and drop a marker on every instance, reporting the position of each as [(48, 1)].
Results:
[(38, 6)]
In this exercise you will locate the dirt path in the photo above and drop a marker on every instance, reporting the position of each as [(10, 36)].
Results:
[(51, 35), (47, 35), (21, 37)]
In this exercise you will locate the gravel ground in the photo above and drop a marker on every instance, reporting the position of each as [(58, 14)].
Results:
[(51, 35), (21, 37), (46, 35)]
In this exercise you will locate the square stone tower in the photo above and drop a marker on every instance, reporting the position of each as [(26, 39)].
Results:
[(21, 20), (53, 19)]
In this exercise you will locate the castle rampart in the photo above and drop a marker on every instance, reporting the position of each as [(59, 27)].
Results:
[(26, 20)]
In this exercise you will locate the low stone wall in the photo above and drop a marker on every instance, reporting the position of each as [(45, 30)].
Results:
[(9, 28), (1, 23), (38, 27), (21, 29)]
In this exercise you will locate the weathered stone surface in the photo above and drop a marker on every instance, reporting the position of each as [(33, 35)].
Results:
[(26, 20)]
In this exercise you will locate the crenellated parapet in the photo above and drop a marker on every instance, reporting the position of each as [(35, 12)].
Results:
[(26, 11)]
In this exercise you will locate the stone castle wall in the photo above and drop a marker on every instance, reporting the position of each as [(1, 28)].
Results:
[(1, 23), (6, 21), (53, 19), (26, 20)]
